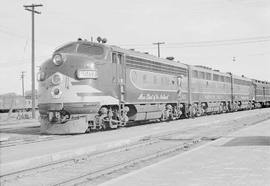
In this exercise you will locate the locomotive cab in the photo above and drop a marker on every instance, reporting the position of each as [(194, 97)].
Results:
[(68, 84)]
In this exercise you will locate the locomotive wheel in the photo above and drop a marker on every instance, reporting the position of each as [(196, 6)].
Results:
[(108, 124), (162, 118), (104, 125), (123, 123)]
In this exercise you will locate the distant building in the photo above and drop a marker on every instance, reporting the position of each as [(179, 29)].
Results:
[(13, 101), (28, 94)]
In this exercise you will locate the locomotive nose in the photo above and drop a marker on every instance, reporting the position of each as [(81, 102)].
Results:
[(89, 71), (56, 78)]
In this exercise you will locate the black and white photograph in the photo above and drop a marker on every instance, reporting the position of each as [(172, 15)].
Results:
[(135, 93)]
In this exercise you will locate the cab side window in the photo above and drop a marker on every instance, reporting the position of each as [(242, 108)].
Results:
[(114, 57), (117, 58)]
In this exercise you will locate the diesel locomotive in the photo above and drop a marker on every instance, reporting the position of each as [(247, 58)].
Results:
[(87, 86)]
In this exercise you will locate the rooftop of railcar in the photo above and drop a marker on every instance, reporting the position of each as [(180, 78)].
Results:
[(209, 70), (213, 71), (147, 56), (262, 83), (129, 52), (242, 77)]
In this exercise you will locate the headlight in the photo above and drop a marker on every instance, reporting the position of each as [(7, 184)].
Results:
[(56, 92), (58, 59), (56, 79), (41, 76)]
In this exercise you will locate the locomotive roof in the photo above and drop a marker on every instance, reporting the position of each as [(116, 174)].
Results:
[(207, 69), (147, 56), (128, 52), (261, 82), (241, 77)]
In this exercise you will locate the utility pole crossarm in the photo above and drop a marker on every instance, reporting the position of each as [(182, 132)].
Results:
[(30, 10), (158, 43), (33, 5)]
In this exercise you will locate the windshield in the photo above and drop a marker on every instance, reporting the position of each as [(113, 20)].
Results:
[(82, 48), (90, 49), (67, 48)]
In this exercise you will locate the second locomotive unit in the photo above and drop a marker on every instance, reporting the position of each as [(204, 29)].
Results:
[(91, 86)]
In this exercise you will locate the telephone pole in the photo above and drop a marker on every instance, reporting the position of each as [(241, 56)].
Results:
[(22, 78), (158, 44), (31, 8)]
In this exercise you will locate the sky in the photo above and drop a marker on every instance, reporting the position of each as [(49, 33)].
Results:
[(197, 32)]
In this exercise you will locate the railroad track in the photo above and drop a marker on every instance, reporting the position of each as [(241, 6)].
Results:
[(183, 145), (32, 135), (94, 168), (25, 135), (28, 140), (18, 125)]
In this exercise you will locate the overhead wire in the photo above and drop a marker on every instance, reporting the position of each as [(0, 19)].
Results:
[(208, 43)]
